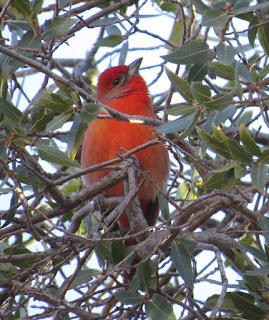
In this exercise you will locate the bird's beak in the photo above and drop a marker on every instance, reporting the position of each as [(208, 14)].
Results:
[(133, 68)]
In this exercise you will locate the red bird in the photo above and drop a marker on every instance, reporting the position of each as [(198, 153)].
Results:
[(122, 89)]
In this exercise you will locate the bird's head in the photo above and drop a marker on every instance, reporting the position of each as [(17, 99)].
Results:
[(122, 81)]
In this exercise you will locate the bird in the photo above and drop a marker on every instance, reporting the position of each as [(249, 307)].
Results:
[(123, 89)]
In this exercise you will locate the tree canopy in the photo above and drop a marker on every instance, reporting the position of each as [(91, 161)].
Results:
[(61, 255)]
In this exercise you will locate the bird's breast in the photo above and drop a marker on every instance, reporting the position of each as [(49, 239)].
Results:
[(105, 137)]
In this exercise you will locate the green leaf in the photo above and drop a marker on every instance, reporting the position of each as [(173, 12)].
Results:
[(104, 21), (163, 203), (215, 18), (223, 181), (189, 245), (259, 173), (200, 6), (48, 106), (72, 187), (144, 274), (10, 214), (23, 7), (215, 144), (252, 32), (54, 155), (89, 113), (113, 30), (225, 53), (76, 136), (251, 9), (261, 272), (223, 71), (241, 260), (201, 92), (29, 40), (118, 251), (181, 109), (123, 52), (62, 3), (180, 85), (28, 176), (265, 156), (220, 102), (180, 124), (18, 249), (55, 27), (197, 72), (82, 277), (218, 134), (191, 127), (110, 41), (227, 303), (182, 261), (58, 121), (226, 167), (103, 252), (135, 284), (249, 310), (191, 53), (263, 32), (13, 114), (129, 297), (249, 142), (245, 118), (14, 250), (55, 102), (186, 191), (264, 224), (167, 6), (36, 6), (41, 118), (238, 152), (240, 170), (243, 71), (264, 72), (238, 88), (80, 125), (216, 117), (212, 71), (34, 181), (253, 283), (159, 309), (255, 252)]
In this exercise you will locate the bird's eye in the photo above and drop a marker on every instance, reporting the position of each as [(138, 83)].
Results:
[(116, 81)]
